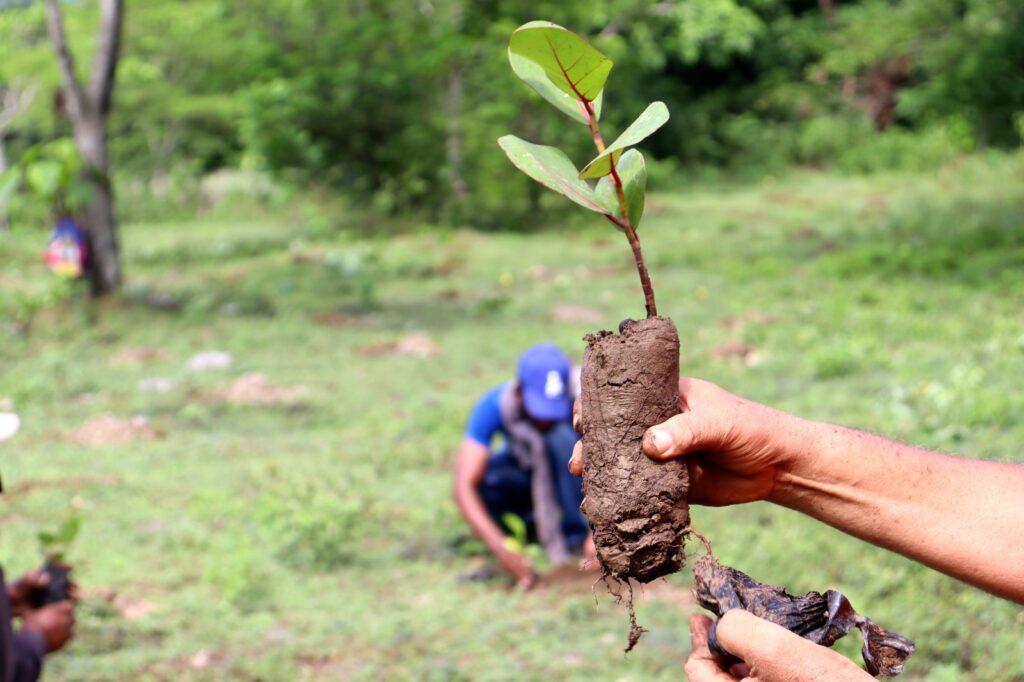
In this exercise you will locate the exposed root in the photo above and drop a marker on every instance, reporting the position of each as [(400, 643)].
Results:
[(635, 630), (690, 530)]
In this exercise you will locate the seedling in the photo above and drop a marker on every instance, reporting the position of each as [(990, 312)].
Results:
[(54, 546), (637, 508)]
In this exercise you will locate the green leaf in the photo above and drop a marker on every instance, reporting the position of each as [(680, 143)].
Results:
[(654, 116), (555, 62), (68, 530), (553, 169), (44, 177), (516, 526), (533, 74), (633, 172)]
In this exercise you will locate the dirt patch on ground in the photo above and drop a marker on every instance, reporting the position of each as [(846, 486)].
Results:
[(255, 389), (736, 350), (569, 312), (335, 319), (107, 429), (750, 317), (137, 355), (416, 345), (26, 487), (129, 608)]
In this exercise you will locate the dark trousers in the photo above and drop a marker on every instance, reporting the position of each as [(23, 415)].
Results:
[(505, 488)]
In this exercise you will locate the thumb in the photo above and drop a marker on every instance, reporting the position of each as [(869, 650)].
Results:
[(679, 435), (777, 655)]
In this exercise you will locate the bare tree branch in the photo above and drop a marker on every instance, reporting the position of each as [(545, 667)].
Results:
[(55, 25), (108, 47)]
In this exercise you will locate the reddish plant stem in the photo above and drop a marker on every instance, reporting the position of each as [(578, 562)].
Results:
[(626, 223)]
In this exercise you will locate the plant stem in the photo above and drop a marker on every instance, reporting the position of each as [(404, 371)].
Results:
[(626, 223)]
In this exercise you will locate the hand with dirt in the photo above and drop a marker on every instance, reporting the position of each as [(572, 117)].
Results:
[(728, 465), (28, 591), (22, 592), (55, 623), (770, 653), (893, 495)]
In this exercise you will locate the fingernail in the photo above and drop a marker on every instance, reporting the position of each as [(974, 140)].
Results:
[(662, 440)]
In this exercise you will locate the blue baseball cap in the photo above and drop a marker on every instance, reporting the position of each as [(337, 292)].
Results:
[(543, 375)]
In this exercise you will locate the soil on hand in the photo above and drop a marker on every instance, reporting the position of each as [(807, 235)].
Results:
[(636, 506)]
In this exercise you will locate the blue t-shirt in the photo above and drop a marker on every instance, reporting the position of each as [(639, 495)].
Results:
[(485, 419)]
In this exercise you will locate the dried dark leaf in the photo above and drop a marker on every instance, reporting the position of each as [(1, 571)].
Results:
[(821, 618)]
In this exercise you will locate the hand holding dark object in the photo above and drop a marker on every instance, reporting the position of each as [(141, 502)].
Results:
[(893, 495), (58, 586), (769, 653), (54, 622), (822, 618), (727, 464), (24, 592)]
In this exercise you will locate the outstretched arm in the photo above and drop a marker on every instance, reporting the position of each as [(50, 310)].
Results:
[(959, 516)]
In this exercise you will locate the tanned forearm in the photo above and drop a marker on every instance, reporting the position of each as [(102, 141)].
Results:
[(960, 516), (473, 510)]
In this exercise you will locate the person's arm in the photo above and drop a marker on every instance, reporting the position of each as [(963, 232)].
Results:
[(27, 649), (470, 467), (960, 516), (956, 515)]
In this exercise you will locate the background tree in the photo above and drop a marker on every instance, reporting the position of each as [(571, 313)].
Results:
[(88, 109)]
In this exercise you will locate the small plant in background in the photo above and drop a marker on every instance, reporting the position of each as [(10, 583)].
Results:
[(54, 546), (518, 540)]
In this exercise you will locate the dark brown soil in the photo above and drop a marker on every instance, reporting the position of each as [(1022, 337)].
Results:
[(821, 618), (636, 506)]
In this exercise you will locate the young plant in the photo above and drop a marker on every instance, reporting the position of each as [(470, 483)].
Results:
[(637, 508), (55, 546)]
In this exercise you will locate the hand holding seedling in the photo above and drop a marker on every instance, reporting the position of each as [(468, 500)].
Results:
[(54, 622), (638, 507), (905, 499), (728, 465)]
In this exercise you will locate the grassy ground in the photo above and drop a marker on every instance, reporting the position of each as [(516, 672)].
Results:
[(303, 529)]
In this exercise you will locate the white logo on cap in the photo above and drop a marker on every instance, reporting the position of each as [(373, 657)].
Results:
[(554, 387)]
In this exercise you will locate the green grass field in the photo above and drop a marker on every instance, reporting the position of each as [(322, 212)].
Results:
[(302, 528)]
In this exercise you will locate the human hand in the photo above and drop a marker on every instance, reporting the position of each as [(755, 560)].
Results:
[(518, 566), (22, 592), (736, 450), (54, 622), (770, 653)]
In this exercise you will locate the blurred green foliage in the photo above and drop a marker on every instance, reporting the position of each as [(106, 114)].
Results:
[(398, 104)]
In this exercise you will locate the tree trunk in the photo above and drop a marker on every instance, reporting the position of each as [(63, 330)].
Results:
[(103, 268), (88, 107), (104, 263)]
